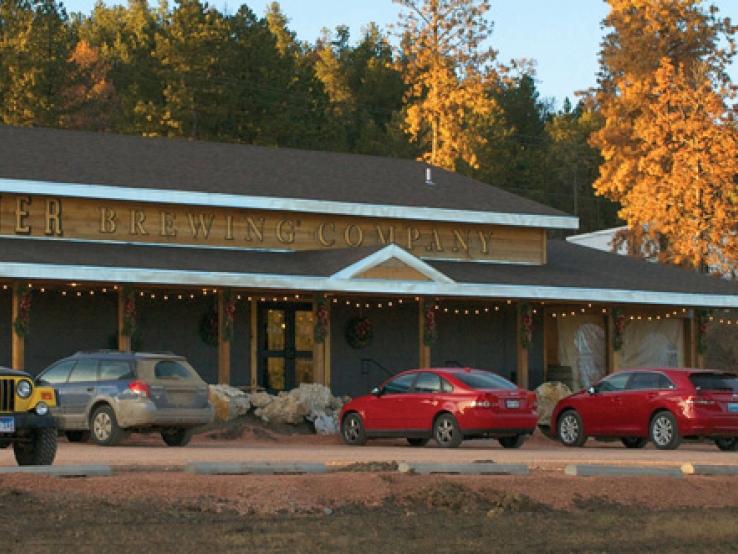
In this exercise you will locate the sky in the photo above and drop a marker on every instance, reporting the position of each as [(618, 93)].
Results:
[(562, 36)]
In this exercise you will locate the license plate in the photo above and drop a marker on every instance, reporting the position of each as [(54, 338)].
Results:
[(733, 407), (512, 403), (7, 424)]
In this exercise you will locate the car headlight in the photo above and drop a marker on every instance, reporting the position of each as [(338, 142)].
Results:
[(42, 408), (24, 389)]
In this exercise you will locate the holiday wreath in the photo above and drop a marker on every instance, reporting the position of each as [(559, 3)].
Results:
[(359, 332)]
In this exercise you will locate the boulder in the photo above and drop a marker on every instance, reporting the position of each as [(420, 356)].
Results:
[(228, 402), (260, 399), (547, 395), (310, 401), (284, 408)]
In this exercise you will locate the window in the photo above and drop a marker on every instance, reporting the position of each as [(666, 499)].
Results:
[(399, 384), (428, 383), (113, 370), (644, 380), (484, 380), (169, 369), (714, 381), (613, 383), (84, 371), (57, 374)]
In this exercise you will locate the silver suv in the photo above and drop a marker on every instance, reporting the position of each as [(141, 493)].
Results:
[(108, 394)]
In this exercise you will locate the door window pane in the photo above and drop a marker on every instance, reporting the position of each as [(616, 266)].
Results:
[(303, 371), (428, 382), (275, 373), (647, 380), (276, 327), (112, 370), (304, 330), (85, 370), (399, 384), (614, 383), (58, 373)]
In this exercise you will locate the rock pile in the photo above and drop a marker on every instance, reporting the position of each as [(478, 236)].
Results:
[(548, 394), (309, 401), (228, 402)]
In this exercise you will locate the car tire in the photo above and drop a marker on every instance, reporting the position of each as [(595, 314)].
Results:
[(352, 430), (417, 442), (77, 436), (570, 429), (633, 442), (664, 431), (727, 445), (512, 442), (176, 436), (104, 427), (446, 431), (39, 451)]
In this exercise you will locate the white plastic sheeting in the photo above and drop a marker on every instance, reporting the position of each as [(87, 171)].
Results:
[(582, 347), (653, 344)]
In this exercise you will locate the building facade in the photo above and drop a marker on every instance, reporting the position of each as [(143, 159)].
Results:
[(271, 267)]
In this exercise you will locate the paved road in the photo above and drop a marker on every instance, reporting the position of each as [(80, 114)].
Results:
[(539, 452)]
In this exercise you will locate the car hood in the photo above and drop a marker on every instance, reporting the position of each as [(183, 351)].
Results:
[(7, 372)]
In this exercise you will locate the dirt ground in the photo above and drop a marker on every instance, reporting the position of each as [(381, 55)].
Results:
[(367, 512)]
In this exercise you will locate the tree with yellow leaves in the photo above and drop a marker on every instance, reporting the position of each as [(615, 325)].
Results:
[(447, 69), (669, 139)]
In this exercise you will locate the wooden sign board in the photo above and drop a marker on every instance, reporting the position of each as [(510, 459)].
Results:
[(91, 219)]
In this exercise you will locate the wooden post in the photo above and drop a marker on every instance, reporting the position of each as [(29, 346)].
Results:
[(254, 344), (521, 352), (424, 351), (18, 343), (124, 341), (613, 357), (224, 343), (690, 342), (322, 350)]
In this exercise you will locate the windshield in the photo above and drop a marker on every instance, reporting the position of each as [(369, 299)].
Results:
[(484, 380), (714, 381)]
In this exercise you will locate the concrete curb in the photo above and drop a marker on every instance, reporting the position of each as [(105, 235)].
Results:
[(584, 470), (61, 471), (256, 468), (464, 469), (704, 469)]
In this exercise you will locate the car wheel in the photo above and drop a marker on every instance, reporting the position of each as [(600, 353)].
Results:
[(352, 430), (664, 431), (40, 450), (176, 437), (512, 442), (104, 427), (77, 436), (570, 429), (633, 442), (417, 442), (446, 431), (727, 444)]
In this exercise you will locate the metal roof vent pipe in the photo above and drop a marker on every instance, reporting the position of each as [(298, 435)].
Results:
[(429, 177)]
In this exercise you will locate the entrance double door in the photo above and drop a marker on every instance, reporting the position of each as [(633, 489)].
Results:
[(286, 337)]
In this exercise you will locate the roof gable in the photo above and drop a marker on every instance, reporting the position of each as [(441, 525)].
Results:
[(392, 263)]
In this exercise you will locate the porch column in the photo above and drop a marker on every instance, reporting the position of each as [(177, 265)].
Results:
[(224, 342), (322, 350), (424, 350), (690, 342), (613, 356), (521, 352), (124, 341), (254, 344), (18, 342)]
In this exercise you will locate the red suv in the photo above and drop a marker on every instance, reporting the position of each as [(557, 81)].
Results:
[(449, 405), (661, 405)]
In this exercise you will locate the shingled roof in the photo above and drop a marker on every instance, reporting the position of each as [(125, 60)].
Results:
[(63, 156)]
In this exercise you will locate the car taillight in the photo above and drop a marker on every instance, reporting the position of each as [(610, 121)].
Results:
[(484, 402), (140, 388)]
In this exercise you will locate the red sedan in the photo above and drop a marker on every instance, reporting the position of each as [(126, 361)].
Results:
[(449, 405), (661, 405)]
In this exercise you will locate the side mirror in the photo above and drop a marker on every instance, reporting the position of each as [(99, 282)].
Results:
[(376, 391), (591, 390)]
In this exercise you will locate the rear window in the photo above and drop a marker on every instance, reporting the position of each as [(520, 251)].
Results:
[(170, 369), (714, 381), (85, 371), (114, 370), (484, 380)]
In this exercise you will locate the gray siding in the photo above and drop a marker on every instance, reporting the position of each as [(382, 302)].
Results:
[(62, 325), (175, 325), (5, 326), (241, 346), (484, 341), (535, 353), (395, 347)]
